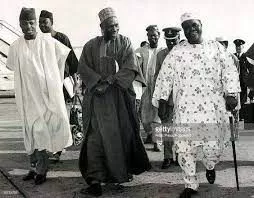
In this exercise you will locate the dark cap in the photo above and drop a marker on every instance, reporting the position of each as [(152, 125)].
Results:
[(239, 42), (152, 27), (171, 32), (47, 14), (27, 14)]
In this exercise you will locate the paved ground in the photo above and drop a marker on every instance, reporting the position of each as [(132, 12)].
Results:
[(64, 179)]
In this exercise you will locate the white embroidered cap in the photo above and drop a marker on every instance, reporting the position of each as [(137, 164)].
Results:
[(106, 13), (189, 16)]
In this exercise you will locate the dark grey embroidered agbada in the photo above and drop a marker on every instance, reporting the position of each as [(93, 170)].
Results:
[(113, 148)]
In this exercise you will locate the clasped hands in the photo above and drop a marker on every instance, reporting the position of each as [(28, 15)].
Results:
[(102, 86), (163, 109)]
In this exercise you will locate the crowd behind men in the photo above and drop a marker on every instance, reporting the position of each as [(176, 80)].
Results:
[(192, 84)]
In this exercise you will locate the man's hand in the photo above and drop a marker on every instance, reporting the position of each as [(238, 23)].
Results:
[(163, 109), (101, 89), (110, 79), (231, 103), (75, 88)]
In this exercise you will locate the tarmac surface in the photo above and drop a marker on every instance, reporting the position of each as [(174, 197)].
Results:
[(64, 179)]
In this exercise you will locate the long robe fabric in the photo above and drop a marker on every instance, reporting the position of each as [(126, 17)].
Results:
[(114, 111), (200, 76), (71, 61), (149, 114), (38, 67)]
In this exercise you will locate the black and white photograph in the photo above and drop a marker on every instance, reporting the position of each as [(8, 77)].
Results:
[(126, 99)]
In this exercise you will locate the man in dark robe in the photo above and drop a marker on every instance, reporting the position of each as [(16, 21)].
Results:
[(112, 149), (46, 26)]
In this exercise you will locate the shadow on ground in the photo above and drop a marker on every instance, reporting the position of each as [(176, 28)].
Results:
[(165, 191)]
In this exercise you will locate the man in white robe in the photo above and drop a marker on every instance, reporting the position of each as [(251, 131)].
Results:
[(205, 84), (38, 63)]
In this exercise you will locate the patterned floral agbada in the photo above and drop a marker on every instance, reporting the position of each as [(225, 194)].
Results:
[(201, 75)]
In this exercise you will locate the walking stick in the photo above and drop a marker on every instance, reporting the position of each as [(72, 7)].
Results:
[(234, 134)]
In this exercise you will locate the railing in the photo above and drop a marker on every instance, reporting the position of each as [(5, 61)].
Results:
[(4, 55), (10, 28)]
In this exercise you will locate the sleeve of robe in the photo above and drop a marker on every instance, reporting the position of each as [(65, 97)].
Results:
[(164, 81), (129, 69), (12, 58), (71, 60), (158, 66), (88, 76), (62, 52), (229, 73)]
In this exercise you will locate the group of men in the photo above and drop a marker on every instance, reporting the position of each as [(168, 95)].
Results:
[(190, 86), (150, 59)]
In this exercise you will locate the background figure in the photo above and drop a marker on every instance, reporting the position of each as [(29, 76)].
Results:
[(144, 43), (138, 85), (224, 43), (71, 65), (112, 149), (250, 80), (205, 83), (149, 114), (38, 65), (165, 111), (245, 68)]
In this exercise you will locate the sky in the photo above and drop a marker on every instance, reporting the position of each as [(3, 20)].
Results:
[(78, 19)]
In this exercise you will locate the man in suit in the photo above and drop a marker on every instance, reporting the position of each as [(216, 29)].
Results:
[(244, 66), (165, 111)]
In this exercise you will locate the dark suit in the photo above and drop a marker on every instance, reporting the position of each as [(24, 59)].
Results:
[(167, 118), (245, 68), (243, 76)]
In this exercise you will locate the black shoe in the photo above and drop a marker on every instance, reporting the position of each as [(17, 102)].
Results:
[(55, 157), (166, 163), (149, 139), (130, 177), (210, 175), (187, 192), (156, 147), (94, 190), (39, 179), (29, 176)]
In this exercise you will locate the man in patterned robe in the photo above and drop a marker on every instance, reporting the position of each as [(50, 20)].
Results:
[(205, 82)]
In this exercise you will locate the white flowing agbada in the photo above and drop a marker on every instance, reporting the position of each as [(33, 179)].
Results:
[(38, 67), (200, 76)]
